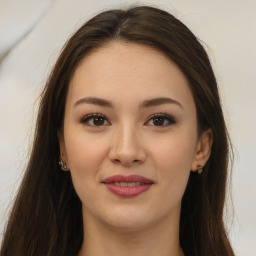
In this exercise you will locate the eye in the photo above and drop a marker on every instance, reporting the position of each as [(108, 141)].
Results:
[(95, 120), (161, 120)]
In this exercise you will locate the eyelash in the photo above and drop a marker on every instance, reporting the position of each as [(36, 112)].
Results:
[(167, 117), (87, 118), (90, 117)]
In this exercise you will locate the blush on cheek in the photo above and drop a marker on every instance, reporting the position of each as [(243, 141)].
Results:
[(84, 160), (176, 158)]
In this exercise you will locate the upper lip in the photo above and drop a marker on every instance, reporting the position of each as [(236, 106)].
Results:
[(127, 179)]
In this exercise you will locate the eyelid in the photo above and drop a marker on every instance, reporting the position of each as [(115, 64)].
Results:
[(164, 115), (88, 117)]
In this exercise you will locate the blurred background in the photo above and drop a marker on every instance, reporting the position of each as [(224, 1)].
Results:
[(32, 33)]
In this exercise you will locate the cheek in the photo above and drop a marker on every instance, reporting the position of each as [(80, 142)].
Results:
[(176, 152), (173, 160), (174, 169), (85, 156)]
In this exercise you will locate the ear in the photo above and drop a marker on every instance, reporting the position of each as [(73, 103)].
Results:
[(63, 154), (203, 150)]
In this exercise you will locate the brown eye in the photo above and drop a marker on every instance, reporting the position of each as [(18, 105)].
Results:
[(158, 121), (95, 120), (161, 120), (98, 121)]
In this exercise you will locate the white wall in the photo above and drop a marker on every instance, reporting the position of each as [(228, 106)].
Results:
[(36, 30)]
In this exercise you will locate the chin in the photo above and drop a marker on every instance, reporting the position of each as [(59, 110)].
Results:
[(128, 221), (126, 226)]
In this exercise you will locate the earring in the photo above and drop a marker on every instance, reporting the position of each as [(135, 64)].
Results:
[(63, 165), (200, 170)]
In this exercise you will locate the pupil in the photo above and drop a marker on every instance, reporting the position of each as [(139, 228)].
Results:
[(98, 121), (158, 121)]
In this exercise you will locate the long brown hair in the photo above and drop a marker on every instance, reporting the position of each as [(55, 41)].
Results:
[(46, 218)]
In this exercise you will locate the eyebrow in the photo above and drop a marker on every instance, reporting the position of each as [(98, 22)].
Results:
[(145, 103), (95, 101), (159, 101)]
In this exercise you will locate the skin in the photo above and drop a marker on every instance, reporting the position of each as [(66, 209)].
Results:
[(130, 140)]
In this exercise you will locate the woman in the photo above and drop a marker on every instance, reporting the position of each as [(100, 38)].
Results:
[(131, 113)]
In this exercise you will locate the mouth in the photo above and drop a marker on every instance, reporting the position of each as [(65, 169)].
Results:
[(127, 186), (127, 179)]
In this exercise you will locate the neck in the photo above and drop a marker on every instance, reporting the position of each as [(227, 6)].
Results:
[(159, 239)]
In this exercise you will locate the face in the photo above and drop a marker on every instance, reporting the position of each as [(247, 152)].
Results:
[(130, 111)]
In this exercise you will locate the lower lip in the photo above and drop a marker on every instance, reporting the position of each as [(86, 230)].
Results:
[(127, 191)]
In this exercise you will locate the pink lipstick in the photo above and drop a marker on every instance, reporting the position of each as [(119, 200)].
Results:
[(127, 186)]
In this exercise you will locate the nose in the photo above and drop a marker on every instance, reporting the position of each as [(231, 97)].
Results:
[(127, 147)]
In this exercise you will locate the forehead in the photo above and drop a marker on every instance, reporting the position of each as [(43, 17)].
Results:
[(121, 70)]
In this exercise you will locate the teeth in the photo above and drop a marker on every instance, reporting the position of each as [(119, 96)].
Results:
[(127, 184)]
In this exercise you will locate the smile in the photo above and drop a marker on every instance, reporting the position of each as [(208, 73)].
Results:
[(127, 186), (129, 190)]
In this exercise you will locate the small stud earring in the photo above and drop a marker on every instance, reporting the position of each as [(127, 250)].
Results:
[(200, 170), (63, 165)]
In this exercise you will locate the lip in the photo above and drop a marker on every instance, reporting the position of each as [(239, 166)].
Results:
[(128, 191), (130, 178)]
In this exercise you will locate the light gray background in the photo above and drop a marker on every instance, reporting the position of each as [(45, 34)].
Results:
[(32, 33)]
